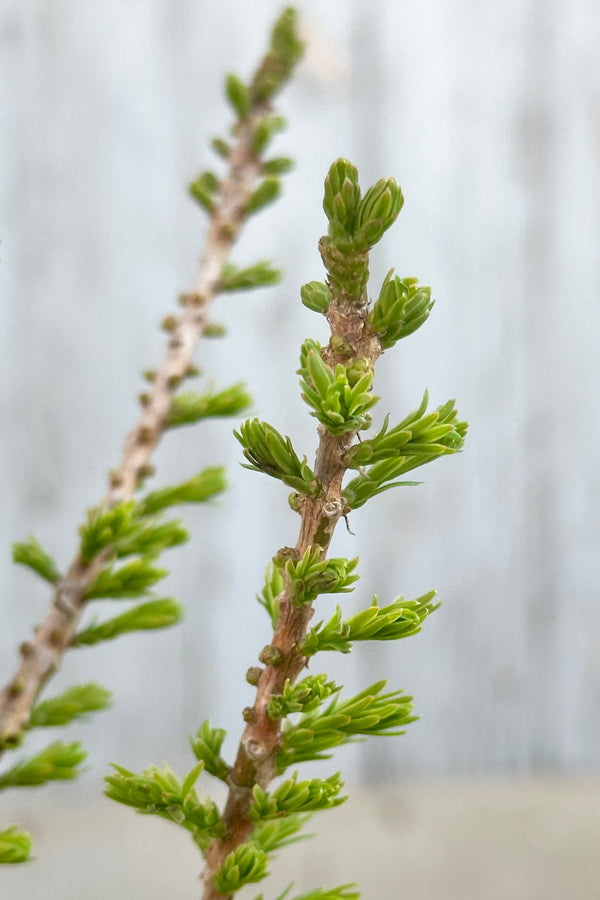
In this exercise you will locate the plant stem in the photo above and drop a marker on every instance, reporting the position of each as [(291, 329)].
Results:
[(256, 759), (43, 655)]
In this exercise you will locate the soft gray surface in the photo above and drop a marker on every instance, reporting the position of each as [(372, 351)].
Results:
[(488, 115)]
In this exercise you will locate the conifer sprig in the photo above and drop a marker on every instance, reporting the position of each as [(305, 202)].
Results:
[(124, 526), (293, 721)]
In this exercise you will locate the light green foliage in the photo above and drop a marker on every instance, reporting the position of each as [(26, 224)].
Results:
[(191, 407), (75, 703), (206, 747), (316, 296), (268, 451), (30, 553), (273, 834), (244, 865), (378, 210), (417, 440), (133, 579), (312, 575), (135, 528), (238, 95), (402, 307), (264, 131), (57, 762), (302, 696), (369, 713), (106, 526), (159, 792), (306, 719), (285, 51), (341, 198), (274, 585), (419, 437), (126, 530), (400, 619), (204, 486), (15, 846), (150, 537), (279, 165), (340, 397), (343, 892), (293, 796), (144, 617), (221, 147), (204, 189), (268, 190), (261, 274)]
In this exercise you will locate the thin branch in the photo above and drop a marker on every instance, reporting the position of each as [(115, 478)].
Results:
[(42, 656), (260, 743)]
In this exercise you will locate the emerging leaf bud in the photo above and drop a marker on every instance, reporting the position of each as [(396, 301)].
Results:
[(238, 95), (379, 209), (271, 655), (316, 296), (342, 197)]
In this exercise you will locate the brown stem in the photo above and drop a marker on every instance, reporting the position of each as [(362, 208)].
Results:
[(43, 655), (261, 740)]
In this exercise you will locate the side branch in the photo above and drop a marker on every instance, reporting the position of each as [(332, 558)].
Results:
[(43, 655)]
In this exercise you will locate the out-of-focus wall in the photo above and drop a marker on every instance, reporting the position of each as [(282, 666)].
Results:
[(489, 116)]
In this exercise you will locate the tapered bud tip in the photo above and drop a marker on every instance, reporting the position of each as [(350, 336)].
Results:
[(342, 196), (316, 296), (339, 171), (379, 209)]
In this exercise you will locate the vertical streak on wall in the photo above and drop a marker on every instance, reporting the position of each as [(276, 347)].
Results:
[(536, 140)]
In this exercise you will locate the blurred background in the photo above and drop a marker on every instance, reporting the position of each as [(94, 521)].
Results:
[(489, 117)]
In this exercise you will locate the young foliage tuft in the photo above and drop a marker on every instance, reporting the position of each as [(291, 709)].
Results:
[(206, 747), (15, 846), (76, 703), (30, 553), (144, 617), (57, 762), (244, 865)]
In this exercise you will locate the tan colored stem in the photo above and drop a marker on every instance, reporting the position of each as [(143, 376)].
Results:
[(43, 655), (261, 740)]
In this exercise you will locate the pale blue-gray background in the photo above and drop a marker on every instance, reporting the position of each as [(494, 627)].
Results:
[(489, 116)]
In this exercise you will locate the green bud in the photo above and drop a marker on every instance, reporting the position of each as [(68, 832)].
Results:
[(30, 553), (379, 209), (316, 296), (221, 147), (279, 165), (268, 451), (342, 197), (265, 129), (214, 330), (203, 190), (244, 865), (206, 747), (238, 95), (267, 191), (402, 307), (285, 50), (15, 846), (271, 655)]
